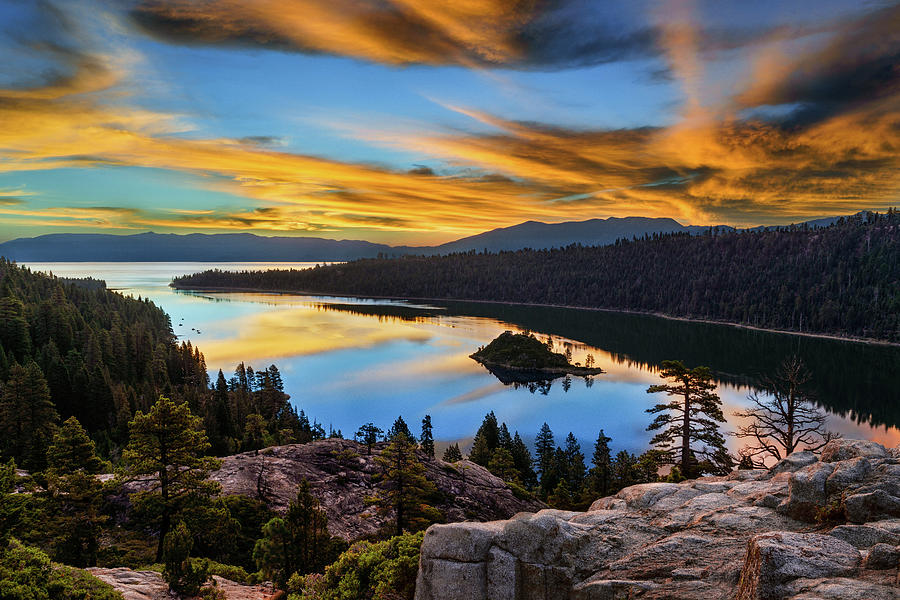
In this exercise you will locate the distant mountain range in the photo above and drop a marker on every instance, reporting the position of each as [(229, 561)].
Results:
[(247, 247)]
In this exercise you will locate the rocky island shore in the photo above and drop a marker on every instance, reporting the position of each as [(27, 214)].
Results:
[(809, 528), (522, 358)]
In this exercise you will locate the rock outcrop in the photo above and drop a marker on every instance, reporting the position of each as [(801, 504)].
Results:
[(149, 585), (341, 475), (806, 529)]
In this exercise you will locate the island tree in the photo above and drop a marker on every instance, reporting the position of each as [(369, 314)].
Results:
[(783, 418), (166, 454), (688, 425)]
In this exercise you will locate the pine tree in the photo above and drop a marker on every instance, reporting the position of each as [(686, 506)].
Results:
[(503, 466), (166, 451), (183, 575), (368, 435), (575, 464), (73, 450), (692, 417), (452, 454), (544, 448), (254, 433), (27, 417), (299, 542), (524, 462), (76, 521), (426, 442), (400, 429), (601, 472), (405, 490)]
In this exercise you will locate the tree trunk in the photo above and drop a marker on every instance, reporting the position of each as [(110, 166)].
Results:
[(686, 434)]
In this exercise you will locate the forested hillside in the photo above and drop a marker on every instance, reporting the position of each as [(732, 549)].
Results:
[(843, 279), (73, 348)]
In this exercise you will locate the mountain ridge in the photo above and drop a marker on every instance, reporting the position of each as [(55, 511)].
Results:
[(249, 247)]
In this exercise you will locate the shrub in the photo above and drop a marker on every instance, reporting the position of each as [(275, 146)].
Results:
[(381, 571)]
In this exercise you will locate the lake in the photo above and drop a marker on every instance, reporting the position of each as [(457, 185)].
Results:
[(347, 361)]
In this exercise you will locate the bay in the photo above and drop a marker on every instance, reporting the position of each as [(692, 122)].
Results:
[(348, 361)]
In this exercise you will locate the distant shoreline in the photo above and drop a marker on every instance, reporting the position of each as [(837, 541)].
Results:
[(826, 336)]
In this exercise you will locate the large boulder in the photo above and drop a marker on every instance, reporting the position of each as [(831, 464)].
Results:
[(149, 585), (701, 539), (342, 475), (774, 559), (841, 449)]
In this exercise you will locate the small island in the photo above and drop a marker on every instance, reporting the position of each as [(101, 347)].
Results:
[(521, 357)]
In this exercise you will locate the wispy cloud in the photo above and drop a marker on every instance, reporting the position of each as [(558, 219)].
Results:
[(836, 147)]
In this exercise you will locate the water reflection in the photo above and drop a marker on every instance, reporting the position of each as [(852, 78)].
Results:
[(349, 361)]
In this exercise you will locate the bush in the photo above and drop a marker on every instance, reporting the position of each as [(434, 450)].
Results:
[(230, 572), (381, 571), (27, 574), (67, 583)]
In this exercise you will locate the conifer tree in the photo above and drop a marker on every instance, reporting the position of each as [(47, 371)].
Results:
[(575, 464), (27, 417), (452, 454), (73, 450), (524, 462), (76, 493), (601, 471), (426, 442), (503, 466), (405, 490), (299, 542), (166, 452), (545, 448), (368, 435), (692, 417), (400, 430)]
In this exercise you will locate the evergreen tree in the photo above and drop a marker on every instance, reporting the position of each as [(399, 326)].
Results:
[(691, 417), (524, 462), (75, 518), (452, 454), (426, 442), (297, 543), (10, 503), (166, 451), (575, 464), (183, 575), (73, 450), (254, 433), (368, 435), (27, 417), (400, 430), (405, 490), (601, 471), (545, 447), (503, 466), (504, 440)]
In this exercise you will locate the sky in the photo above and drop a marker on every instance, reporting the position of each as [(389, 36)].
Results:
[(423, 121)]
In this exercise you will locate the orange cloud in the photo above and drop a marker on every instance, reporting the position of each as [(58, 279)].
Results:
[(715, 164)]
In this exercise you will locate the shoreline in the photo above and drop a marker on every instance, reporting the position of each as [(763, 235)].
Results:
[(826, 336)]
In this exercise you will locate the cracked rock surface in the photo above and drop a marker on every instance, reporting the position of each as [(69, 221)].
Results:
[(341, 475), (809, 528)]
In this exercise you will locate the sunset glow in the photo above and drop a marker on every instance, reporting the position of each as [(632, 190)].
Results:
[(421, 122)]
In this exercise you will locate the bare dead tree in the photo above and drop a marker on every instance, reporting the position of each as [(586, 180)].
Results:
[(785, 418)]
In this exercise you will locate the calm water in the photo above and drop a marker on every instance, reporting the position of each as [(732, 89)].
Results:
[(348, 361)]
